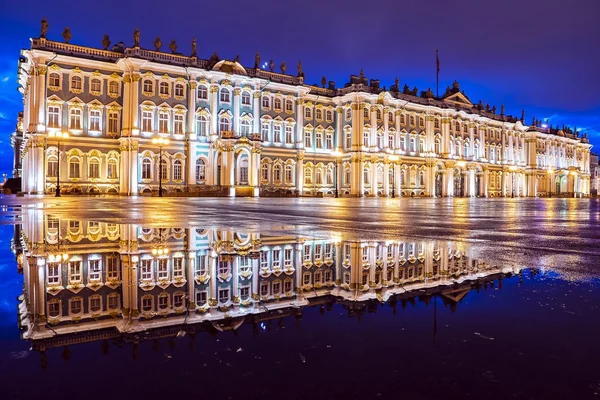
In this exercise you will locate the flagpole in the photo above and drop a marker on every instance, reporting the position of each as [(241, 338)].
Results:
[(437, 75)]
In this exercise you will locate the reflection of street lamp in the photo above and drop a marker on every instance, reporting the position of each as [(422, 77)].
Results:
[(160, 142), (58, 136), (336, 154), (513, 169), (550, 172), (393, 159)]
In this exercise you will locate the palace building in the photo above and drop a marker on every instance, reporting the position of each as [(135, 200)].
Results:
[(92, 118), (115, 279)]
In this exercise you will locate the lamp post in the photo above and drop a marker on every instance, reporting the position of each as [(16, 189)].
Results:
[(393, 159), (58, 135), (337, 155), (512, 168), (160, 142), (550, 172)]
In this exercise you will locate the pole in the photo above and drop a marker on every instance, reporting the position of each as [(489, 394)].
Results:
[(513, 186), (160, 163), (393, 180), (58, 173), (336, 178)]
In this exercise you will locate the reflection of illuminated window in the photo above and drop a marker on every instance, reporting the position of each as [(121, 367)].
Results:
[(178, 300), (365, 254), (306, 278), (264, 259), (201, 265), (287, 286), (287, 257), (75, 306), (95, 270), (73, 227), (347, 278), (113, 301), (95, 303), (318, 251), (146, 269), (318, 277), (276, 258), (163, 268), (245, 293), (163, 301), (177, 267), (147, 303), (307, 252), (276, 287), (223, 295), (112, 268), (201, 298), (54, 308), (53, 274), (328, 275), (264, 288), (75, 271)]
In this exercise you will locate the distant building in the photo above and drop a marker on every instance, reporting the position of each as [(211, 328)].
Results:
[(244, 131), (595, 174), (16, 141)]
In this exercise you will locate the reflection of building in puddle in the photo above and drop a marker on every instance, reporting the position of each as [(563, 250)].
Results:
[(87, 281)]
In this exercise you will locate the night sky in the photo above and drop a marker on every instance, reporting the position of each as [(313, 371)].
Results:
[(540, 55)]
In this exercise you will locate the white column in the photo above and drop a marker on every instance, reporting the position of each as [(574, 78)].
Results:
[(471, 139), (256, 112), (214, 120), (386, 130), (386, 179), (339, 133), (300, 124), (236, 110)]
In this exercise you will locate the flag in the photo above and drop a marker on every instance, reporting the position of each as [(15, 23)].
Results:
[(437, 61)]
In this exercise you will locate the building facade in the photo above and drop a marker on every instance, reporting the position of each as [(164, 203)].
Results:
[(594, 175), (86, 276), (241, 131)]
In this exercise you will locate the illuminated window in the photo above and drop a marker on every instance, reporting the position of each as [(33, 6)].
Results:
[(289, 174), (266, 102), (94, 123), (178, 124), (74, 168), (114, 302), (307, 139), (289, 106), (225, 95), (245, 99), (223, 295), (95, 303), (277, 104), (177, 167), (319, 114), (329, 116), (76, 83), (94, 168), (52, 169), (224, 124), (53, 274), (113, 122), (307, 113), (148, 87), (163, 122), (75, 306), (289, 134), (163, 88), (54, 80), (200, 170), (95, 86), (179, 90), (113, 88), (277, 133), (75, 118), (147, 121), (54, 310), (146, 168), (202, 92), (201, 125)]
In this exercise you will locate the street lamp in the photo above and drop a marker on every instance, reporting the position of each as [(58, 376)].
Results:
[(337, 155), (393, 159), (58, 135), (513, 169), (160, 142), (550, 172)]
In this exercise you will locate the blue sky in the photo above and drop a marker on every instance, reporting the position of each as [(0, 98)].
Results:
[(540, 55)]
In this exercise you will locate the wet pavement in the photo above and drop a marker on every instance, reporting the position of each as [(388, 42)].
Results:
[(498, 299)]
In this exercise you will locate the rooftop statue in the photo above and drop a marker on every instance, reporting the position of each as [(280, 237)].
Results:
[(257, 60), (136, 38), (213, 59), (44, 29), (105, 42), (362, 74), (271, 65), (323, 81), (194, 48), (283, 67), (237, 59), (300, 72), (494, 110), (397, 83), (406, 89), (67, 34), (502, 109), (173, 46), (157, 43)]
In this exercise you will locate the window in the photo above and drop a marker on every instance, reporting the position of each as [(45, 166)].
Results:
[(113, 301), (177, 267), (266, 102), (52, 167), (75, 306), (277, 133), (277, 104), (306, 278), (53, 117), (244, 293), (163, 122), (437, 146), (307, 139), (178, 299), (265, 132), (113, 122), (366, 113), (318, 251), (276, 258), (245, 99), (113, 89), (308, 175), (245, 127), (319, 114), (412, 119), (75, 272), (330, 175), (179, 92), (348, 113), (53, 274), (264, 259), (95, 86), (329, 116), (378, 114), (306, 252), (391, 143), (146, 269), (287, 257), (54, 308), (366, 176), (380, 140), (289, 174), (178, 124), (366, 138), (307, 113), (412, 144), (94, 124), (201, 298), (94, 168), (201, 125), (112, 268), (421, 145), (289, 106), (74, 168), (223, 295), (202, 92), (76, 84), (276, 288), (223, 124), (277, 173), (95, 303), (54, 80), (200, 170), (264, 172), (328, 251), (163, 169), (289, 134), (163, 269), (319, 140), (319, 176), (148, 87), (348, 135), (329, 141), (146, 168), (177, 167), (147, 303), (163, 89), (147, 121), (75, 120), (347, 175), (264, 289), (225, 95), (391, 117)]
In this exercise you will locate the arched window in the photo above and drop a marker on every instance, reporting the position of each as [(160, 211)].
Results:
[(277, 133), (379, 176), (245, 98), (348, 140), (366, 138), (223, 124), (94, 168), (348, 113), (319, 175), (366, 113), (266, 102), (329, 177), (277, 173), (412, 119), (347, 175), (146, 168), (201, 125), (76, 83), (366, 176), (380, 140), (391, 175), (163, 88), (289, 106), (225, 95), (52, 169), (421, 145), (95, 86), (74, 168), (277, 103), (179, 91), (391, 142), (421, 178), (54, 80), (412, 146), (200, 170), (245, 127), (378, 114), (264, 132), (308, 175), (466, 152), (177, 166), (329, 116), (112, 169), (264, 172), (289, 174), (113, 88), (164, 166), (148, 86), (243, 170), (437, 146), (202, 92), (319, 114), (476, 151)]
